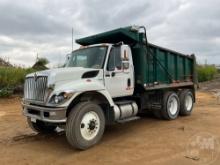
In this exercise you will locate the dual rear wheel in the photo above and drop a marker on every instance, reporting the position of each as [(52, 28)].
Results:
[(186, 102), (174, 104)]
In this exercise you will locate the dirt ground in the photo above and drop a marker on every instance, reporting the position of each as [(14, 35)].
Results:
[(144, 141)]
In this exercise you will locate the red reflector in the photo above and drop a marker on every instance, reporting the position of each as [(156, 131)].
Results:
[(88, 80)]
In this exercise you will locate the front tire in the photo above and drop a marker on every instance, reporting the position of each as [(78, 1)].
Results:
[(85, 125)]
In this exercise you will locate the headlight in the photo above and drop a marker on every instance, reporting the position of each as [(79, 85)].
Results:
[(60, 98)]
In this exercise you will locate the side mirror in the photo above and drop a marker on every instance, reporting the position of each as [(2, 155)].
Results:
[(125, 65), (68, 57), (124, 55)]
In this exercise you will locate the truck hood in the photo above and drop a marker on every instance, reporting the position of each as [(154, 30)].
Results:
[(62, 74)]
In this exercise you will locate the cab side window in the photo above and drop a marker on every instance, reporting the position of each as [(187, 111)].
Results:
[(114, 60)]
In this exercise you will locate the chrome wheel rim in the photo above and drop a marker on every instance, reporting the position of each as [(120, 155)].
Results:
[(188, 102), (173, 105), (90, 125)]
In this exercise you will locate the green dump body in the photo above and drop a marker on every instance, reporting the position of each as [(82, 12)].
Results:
[(155, 67)]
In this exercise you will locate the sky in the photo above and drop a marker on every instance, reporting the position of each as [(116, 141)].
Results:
[(43, 27)]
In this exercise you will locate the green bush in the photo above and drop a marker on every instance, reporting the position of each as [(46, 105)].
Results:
[(206, 73), (5, 92), (10, 77)]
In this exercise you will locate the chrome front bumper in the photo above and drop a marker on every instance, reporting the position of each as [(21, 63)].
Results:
[(47, 114)]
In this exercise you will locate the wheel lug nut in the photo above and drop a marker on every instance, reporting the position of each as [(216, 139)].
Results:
[(82, 125)]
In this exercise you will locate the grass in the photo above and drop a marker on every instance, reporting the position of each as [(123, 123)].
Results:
[(10, 77)]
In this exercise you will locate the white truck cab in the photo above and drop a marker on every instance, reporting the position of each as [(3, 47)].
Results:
[(97, 74)]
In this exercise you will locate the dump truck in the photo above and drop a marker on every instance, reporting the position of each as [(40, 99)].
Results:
[(114, 77)]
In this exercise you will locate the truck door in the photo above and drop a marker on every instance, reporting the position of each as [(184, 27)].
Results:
[(119, 72)]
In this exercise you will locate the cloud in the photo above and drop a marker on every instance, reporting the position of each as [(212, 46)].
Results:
[(17, 19), (44, 27)]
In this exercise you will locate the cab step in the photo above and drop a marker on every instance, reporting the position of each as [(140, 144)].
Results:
[(128, 119)]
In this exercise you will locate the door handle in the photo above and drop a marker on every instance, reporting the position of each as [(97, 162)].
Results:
[(112, 74), (107, 75), (129, 82)]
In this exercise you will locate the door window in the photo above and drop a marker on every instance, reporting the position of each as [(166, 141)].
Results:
[(114, 61)]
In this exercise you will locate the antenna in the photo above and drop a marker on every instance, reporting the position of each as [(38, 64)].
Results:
[(72, 38)]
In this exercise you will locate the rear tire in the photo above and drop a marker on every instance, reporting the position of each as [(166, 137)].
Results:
[(85, 125), (186, 102), (41, 127), (171, 106)]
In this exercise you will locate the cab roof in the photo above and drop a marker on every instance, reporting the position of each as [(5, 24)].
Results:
[(127, 34)]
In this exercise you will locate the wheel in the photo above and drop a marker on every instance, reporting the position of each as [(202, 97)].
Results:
[(40, 126), (186, 102), (85, 125), (171, 106)]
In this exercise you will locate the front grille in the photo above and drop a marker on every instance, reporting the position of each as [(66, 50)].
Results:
[(35, 88)]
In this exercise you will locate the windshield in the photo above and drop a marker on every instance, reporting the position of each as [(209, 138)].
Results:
[(92, 57)]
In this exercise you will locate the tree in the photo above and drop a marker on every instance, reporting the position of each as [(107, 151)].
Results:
[(40, 64)]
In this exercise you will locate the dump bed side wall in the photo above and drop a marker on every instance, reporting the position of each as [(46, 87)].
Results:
[(161, 66)]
